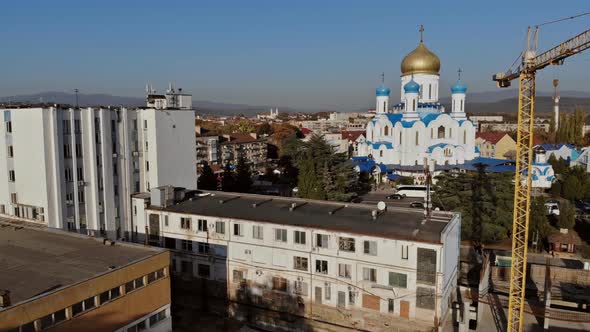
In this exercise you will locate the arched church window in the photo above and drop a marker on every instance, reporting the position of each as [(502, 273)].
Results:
[(461, 105), (464, 136), (441, 132), (450, 132), (431, 132), (400, 137), (453, 106), (385, 106), (386, 131), (414, 105), (417, 138), (381, 153), (429, 91)]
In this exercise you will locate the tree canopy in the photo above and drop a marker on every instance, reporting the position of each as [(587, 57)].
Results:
[(207, 180)]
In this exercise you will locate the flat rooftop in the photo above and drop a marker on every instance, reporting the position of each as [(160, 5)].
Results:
[(394, 223), (37, 260)]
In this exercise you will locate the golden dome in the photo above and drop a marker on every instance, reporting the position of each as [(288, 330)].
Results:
[(420, 61)]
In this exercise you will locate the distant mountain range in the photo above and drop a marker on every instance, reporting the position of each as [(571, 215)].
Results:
[(501, 101)]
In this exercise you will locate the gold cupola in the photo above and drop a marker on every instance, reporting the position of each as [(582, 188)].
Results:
[(421, 60)]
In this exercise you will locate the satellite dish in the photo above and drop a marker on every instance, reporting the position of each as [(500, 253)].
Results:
[(381, 206)]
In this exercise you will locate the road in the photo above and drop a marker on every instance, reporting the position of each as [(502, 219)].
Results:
[(376, 197)]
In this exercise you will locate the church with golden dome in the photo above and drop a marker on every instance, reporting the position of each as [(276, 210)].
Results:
[(403, 135)]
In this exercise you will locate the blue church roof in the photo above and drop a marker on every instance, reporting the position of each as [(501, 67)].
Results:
[(376, 145), (382, 90), (439, 145), (459, 87), (412, 87)]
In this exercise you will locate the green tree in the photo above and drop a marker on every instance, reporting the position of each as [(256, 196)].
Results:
[(264, 129), (207, 180), (309, 184), (572, 188), (559, 165), (539, 223), (243, 176), (567, 215), (228, 181)]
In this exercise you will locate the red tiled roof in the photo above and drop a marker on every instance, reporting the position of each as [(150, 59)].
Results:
[(352, 135), (240, 138), (492, 137)]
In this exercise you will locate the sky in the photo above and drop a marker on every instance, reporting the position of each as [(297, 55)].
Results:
[(301, 54)]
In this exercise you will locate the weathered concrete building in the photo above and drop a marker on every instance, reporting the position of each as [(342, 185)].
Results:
[(351, 265), (68, 282)]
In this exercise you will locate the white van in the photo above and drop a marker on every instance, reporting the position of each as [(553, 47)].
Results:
[(552, 208)]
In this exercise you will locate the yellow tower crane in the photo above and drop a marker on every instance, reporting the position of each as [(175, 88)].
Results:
[(530, 63)]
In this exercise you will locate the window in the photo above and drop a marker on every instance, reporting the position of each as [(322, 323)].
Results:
[(300, 263), (185, 223), (81, 196), (67, 151), (82, 306), (322, 240), (461, 105), (186, 267), (369, 274), (13, 198), (400, 137), (11, 176), (147, 166), (390, 305), (238, 276), (203, 270), (386, 131), (8, 126), (417, 138), (77, 126), (328, 288), (425, 298), (69, 175), (370, 248), (155, 318), (202, 225), (204, 248), (78, 150), (465, 137), (351, 297), (380, 153), (186, 245), (414, 105), (299, 237), (450, 132), (281, 235), (346, 244), (144, 124), (153, 276), (321, 266), (429, 91), (404, 252), (80, 173), (109, 295), (10, 151), (399, 280), (257, 232), (344, 270), (279, 284), (426, 269), (66, 126), (134, 284), (238, 230), (441, 132), (220, 227), (300, 287), (166, 221)]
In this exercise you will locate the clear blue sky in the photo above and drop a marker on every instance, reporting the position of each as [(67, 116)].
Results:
[(304, 54)]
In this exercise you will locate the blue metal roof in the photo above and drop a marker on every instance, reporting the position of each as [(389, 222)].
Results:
[(376, 145), (428, 117), (382, 90), (459, 87), (438, 145), (412, 87)]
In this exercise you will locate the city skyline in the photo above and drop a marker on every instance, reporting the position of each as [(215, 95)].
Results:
[(304, 55)]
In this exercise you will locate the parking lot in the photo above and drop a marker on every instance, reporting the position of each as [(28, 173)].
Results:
[(376, 197)]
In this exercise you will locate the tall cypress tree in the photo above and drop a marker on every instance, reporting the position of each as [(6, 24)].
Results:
[(243, 176), (228, 181), (207, 180)]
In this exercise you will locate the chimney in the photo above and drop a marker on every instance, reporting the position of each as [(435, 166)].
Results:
[(4, 298)]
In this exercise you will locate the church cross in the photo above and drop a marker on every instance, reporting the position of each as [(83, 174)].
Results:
[(459, 71), (383, 78), (421, 33)]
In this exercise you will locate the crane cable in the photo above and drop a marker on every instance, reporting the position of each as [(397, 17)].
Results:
[(562, 19)]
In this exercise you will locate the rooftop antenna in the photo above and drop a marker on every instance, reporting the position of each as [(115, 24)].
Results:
[(76, 91)]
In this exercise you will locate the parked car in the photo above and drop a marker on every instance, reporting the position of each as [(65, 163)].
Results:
[(552, 208), (417, 205), (356, 200), (395, 196)]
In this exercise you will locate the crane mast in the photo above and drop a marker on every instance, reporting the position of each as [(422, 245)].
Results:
[(529, 65)]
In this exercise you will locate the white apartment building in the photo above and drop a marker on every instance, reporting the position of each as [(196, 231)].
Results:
[(330, 260), (77, 168)]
